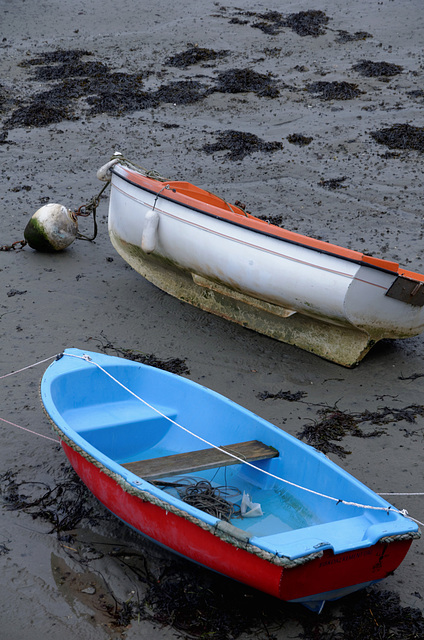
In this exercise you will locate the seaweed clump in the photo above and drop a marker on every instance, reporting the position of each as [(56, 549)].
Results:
[(74, 78), (104, 91), (304, 23), (180, 92), (377, 615), (2, 97), (334, 90), (307, 23), (331, 427), (401, 136), (174, 365), (372, 69), (276, 219), (247, 80), (416, 93), (240, 144), (333, 424), (46, 107), (207, 606), (333, 183), (64, 505), (282, 395), (194, 55), (67, 69), (345, 36), (299, 139), (62, 56), (116, 101)]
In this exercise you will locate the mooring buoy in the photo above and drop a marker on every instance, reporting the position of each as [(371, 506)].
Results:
[(53, 227)]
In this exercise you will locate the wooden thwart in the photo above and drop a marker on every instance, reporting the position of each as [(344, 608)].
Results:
[(199, 460)]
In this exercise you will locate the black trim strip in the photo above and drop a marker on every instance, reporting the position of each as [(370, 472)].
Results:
[(242, 226)]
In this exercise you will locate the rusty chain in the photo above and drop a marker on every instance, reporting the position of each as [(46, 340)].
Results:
[(19, 244)]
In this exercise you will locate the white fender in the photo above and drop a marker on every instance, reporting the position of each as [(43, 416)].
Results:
[(103, 173), (150, 231)]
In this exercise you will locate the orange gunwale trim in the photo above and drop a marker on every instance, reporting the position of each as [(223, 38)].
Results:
[(203, 201)]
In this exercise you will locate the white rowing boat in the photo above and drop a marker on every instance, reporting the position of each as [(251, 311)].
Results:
[(331, 301)]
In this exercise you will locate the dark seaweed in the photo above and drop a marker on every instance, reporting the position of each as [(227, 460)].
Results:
[(304, 23), (333, 183), (240, 144), (273, 219), (377, 69), (70, 56), (308, 23), (208, 606), (48, 73), (181, 92), (39, 113), (282, 395), (119, 102), (2, 97), (174, 365), (238, 21), (15, 292), (200, 604), (64, 505), (413, 376), (417, 93), (194, 55), (299, 139), (247, 80), (401, 136), (344, 36), (386, 415), (334, 90), (333, 424), (378, 615), (73, 78)]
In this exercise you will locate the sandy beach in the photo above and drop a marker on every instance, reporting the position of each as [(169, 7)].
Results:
[(314, 120)]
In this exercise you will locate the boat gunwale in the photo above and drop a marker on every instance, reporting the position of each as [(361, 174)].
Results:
[(323, 247)]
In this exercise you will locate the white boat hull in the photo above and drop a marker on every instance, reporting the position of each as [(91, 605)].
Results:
[(324, 303)]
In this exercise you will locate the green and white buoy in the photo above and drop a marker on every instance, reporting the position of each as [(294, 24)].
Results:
[(52, 228)]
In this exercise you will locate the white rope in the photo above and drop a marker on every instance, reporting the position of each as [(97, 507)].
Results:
[(400, 494), (28, 367), (402, 512), (29, 430), (20, 371)]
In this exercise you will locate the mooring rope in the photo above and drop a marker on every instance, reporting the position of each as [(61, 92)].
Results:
[(388, 509), (30, 431), (35, 364), (30, 366), (401, 494)]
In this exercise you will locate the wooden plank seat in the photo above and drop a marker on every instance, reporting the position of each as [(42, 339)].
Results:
[(194, 461)]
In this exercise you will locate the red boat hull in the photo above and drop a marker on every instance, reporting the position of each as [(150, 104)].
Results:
[(332, 575)]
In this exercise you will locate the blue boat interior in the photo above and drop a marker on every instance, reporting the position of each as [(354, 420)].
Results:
[(150, 413)]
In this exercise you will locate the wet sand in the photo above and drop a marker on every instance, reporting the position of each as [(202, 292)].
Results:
[(70, 584)]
